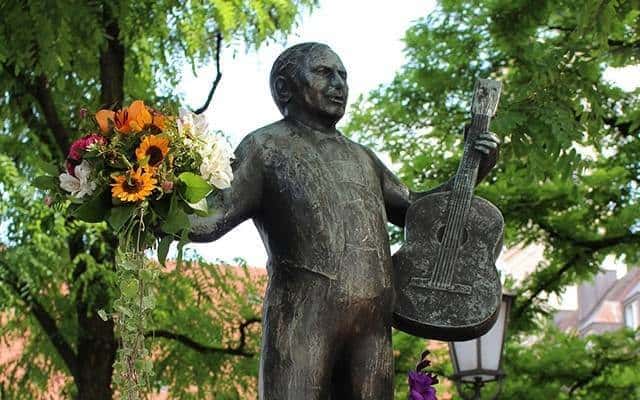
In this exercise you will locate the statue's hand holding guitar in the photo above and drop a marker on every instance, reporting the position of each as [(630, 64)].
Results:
[(488, 144)]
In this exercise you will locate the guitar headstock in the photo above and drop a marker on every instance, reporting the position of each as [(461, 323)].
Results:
[(486, 95)]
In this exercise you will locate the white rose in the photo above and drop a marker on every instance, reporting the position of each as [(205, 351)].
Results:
[(79, 185), (216, 162)]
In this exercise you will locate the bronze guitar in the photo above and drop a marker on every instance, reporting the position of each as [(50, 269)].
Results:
[(447, 286)]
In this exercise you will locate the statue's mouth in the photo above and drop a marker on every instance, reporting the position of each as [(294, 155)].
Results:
[(337, 99)]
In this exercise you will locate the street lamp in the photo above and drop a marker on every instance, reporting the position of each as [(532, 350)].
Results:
[(478, 361)]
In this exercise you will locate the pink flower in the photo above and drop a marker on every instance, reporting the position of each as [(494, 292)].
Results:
[(167, 186), (48, 201), (78, 148)]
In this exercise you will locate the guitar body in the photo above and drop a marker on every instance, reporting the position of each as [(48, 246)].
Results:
[(462, 300)]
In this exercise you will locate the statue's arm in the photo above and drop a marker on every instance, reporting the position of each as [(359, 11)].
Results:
[(240, 202)]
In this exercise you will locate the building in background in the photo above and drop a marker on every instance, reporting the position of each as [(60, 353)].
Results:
[(605, 304)]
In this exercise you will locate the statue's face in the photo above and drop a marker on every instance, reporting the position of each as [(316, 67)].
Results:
[(322, 84)]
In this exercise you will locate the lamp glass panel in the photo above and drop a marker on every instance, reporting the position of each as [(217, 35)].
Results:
[(491, 342), (467, 355)]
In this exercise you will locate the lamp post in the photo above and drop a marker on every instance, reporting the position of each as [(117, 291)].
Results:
[(478, 361)]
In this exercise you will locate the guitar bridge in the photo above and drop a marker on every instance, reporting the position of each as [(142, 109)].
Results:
[(451, 288)]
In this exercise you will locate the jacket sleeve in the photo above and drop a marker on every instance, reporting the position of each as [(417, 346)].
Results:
[(239, 202)]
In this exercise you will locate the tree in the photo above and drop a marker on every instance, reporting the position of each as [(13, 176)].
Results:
[(57, 57), (568, 174), (565, 366)]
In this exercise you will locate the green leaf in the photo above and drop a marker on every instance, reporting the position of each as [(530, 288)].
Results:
[(177, 219), (45, 182), (148, 302), (163, 249), (130, 288), (196, 188), (94, 210), (118, 216), (201, 208), (47, 168), (103, 315)]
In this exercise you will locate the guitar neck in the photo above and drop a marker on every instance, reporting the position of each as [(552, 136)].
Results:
[(467, 174)]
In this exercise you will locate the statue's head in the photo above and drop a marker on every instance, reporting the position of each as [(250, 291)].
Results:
[(309, 79)]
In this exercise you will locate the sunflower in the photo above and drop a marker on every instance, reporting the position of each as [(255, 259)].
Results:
[(133, 186), (152, 151)]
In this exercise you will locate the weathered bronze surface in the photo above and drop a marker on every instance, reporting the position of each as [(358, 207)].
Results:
[(321, 203)]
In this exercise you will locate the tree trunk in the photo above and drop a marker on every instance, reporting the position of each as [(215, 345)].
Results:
[(96, 353), (97, 344)]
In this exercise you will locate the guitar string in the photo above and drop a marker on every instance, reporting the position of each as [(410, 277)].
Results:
[(478, 124), (465, 190), (457, 213), (446, 248), (463, 211), (454, 237)]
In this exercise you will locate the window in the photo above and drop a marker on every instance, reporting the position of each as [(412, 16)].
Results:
[(631, 317)]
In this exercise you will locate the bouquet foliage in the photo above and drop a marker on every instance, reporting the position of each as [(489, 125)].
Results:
[(144, 173)]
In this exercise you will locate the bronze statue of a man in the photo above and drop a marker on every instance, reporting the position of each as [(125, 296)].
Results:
[(321, 203)]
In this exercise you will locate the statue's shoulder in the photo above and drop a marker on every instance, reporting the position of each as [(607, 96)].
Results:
[(269, 134), (360, 147)]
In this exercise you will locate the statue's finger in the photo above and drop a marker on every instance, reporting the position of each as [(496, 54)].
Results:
[(482, 149), (486, 143), (489, 136)]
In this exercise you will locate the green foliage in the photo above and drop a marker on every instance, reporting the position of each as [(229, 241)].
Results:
[(568, 174), (561, 366), (214, 301), (58, 59)]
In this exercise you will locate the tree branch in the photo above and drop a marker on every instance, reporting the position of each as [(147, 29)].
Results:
[(112, 58), (238, 350), (592, 245), (599, 369), (218, 76), (623, 128), (543, 286), (621, 43), (39, 89), (46, 321)]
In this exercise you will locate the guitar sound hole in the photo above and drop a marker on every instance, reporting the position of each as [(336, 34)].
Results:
[(463, 239)]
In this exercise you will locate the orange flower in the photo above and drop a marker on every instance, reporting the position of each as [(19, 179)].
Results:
[(157, 120), (133, 186), (105, 119), (134, 118), (152, 151)]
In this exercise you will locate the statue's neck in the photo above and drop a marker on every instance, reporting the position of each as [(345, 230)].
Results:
[(312, 127), (303, 119)]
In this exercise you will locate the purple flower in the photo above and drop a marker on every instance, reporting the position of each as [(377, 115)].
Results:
[(420, 386)]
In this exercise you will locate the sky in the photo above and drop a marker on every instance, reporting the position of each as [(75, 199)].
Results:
[(367, 35)]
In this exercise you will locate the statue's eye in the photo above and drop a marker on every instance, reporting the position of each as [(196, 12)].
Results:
[(324, 71)]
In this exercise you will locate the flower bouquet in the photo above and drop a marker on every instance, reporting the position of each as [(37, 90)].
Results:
[(143, 173)]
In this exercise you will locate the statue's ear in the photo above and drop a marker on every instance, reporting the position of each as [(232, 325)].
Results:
[(283, 90)]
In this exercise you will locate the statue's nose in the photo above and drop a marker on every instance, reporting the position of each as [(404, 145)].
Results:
[(338, 82)]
